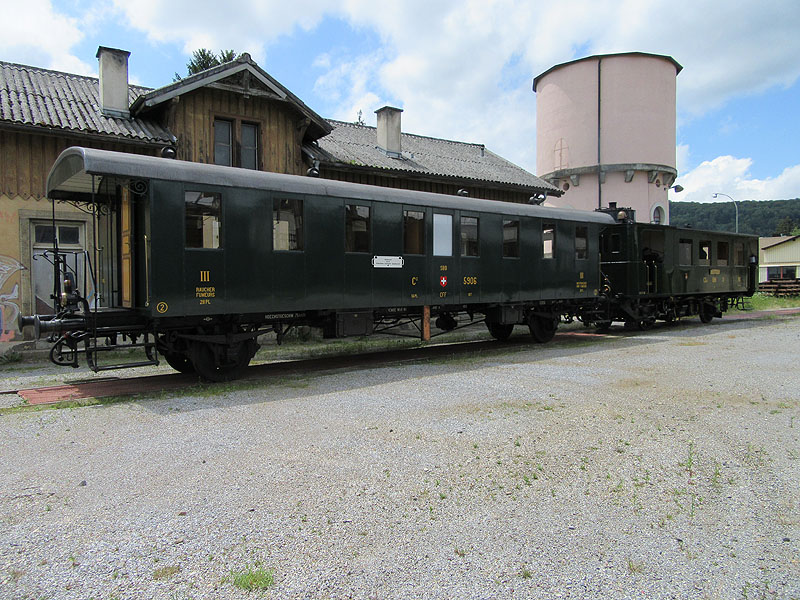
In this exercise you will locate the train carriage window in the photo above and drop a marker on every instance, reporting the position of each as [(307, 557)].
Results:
[(203, 219), (581, 243), (510, 238), (357, 229), (548, 240), (287, 224), (722, 254), (704, 253), (738, 249), (469, 236), (685, 252), (442, 235), (413, 232)]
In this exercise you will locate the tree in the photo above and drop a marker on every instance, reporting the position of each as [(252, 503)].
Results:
[(204, 58), (785, 226)]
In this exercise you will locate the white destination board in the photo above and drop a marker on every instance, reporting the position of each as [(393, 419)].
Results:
[(387, 262)]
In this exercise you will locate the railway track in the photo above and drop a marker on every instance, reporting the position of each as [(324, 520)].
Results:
[(128, 386)]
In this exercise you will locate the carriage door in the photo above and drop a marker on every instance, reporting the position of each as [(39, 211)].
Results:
[(445, 287), (71, 243), (126, 248), (651, 244)]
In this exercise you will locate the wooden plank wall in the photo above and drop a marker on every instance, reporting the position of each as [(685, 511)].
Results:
[(192, 116), (26, 158)]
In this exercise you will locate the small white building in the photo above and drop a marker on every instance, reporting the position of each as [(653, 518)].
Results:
[(778, 257)]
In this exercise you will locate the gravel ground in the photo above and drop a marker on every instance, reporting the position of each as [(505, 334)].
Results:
[(655, 465)]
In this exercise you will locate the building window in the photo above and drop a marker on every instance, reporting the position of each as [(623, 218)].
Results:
[(413, 232), (203, 219), (704, 253), (287, 224), (658, 215), (581, 243), (442, 235), (469, 236), (510, 238), (236, 143), (685, 252), (223, 143), (357, 228), (548, 240)]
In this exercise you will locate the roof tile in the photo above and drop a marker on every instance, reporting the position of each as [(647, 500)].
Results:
[(44, 98)]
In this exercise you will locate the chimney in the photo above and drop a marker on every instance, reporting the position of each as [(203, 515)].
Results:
[(113, 82), (389, 130)]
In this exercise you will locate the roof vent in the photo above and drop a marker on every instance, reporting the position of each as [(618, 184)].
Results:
[(389, 131), (113, 82)]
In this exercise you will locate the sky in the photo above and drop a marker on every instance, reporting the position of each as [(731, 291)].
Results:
[(463, 69)]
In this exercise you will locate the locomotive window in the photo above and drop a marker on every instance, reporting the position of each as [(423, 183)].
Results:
[(685, 252), (357, 229), (548, 240), (510, 238), (739, 250), (223, 142), (203, 218), (413, 232), (581, 243), (616, 243), (704, 253), (287, 224), (442, 235), (722, 254), (469, 236)]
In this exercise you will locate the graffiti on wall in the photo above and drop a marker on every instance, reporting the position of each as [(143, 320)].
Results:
[(9, 310)]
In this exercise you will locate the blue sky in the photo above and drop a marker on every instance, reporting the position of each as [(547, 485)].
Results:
[(463, 69)]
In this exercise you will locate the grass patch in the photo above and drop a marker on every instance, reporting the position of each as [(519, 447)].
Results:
[(251, 578), (764, 302), (165, 572)]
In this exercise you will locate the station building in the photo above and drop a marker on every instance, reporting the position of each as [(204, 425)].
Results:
[(234, 114)]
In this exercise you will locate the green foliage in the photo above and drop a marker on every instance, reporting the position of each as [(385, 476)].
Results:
[(204, 58), (764, 218), (252, 578)]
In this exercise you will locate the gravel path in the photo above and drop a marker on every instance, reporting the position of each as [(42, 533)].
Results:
[(660, 465)]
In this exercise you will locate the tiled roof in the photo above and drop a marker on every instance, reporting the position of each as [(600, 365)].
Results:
[(357, 145), (52, 99)]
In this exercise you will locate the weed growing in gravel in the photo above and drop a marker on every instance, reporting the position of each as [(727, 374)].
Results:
[(165, 572), (634, 568), (525, 573), (254, 577), (690, 463)]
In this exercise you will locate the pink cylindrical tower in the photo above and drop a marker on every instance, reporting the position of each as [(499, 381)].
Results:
[(605, 132)]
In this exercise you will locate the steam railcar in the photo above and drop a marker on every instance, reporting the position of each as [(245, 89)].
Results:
[(193, 262)]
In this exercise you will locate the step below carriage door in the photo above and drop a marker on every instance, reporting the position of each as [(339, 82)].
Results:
[(444, 274)]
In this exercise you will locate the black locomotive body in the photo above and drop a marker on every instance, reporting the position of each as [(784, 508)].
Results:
[(193, 262)]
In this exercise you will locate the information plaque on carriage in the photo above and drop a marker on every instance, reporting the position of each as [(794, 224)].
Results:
[(387, 262)]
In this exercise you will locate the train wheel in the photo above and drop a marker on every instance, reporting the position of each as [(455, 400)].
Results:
[(706, 312), (602, 326), (542, 328), (179, 362), (499, 331), (210, 366)]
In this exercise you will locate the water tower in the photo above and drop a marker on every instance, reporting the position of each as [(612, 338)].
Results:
[(605, 132)]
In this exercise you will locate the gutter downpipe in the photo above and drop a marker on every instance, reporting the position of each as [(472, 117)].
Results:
[(599, 164)]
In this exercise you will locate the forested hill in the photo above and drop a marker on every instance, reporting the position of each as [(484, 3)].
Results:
[(763, 218)]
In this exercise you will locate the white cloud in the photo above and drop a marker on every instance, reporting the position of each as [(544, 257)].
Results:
[(731, 175), (41, 36)]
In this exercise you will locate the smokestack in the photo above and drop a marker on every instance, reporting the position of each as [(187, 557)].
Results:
[(389, 130), (113, 82)]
